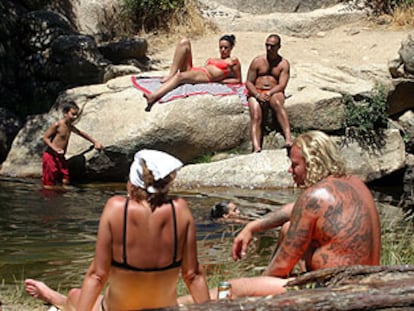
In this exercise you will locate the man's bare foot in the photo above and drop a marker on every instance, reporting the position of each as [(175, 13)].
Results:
[(40, 290), (150, 102)]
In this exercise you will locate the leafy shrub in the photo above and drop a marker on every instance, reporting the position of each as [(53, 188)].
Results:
[(365, 121)]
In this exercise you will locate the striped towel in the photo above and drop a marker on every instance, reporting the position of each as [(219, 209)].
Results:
[(150, 84)]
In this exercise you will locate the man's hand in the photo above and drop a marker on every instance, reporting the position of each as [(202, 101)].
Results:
[(241, 242)]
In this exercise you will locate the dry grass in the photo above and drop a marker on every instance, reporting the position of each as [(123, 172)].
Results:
[(188, 23), (404, 17)]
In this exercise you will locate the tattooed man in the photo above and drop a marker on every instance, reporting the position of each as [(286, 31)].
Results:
[(333, 223)]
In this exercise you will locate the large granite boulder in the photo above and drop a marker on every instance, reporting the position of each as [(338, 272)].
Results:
[(269, 168), (303, 24), (113, 113), (401, 68), (267, 6)]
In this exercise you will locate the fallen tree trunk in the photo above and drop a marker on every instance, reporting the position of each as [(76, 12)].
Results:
[(345, 288)]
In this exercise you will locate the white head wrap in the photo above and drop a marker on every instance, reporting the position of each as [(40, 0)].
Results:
[(160, 164)]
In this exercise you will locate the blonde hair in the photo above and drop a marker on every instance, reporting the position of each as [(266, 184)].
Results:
[(321, 156)]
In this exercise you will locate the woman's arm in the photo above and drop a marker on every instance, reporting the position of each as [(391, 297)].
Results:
[(236, 78), (191, 270), (98, 272)]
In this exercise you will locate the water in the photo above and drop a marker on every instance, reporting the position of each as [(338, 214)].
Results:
[(51, 236)]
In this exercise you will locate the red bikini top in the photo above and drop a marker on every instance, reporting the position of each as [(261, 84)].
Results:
[(220, 64)]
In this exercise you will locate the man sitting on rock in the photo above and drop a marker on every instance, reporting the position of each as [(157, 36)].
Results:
[(333, 223), (267, 78)]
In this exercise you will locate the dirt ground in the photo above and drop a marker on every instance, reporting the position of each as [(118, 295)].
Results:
[(355, 45)]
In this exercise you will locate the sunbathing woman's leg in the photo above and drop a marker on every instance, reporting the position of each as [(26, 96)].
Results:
[(192, 76), (182, 59), (41, 291)]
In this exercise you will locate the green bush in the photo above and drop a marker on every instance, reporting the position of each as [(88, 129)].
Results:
[(366, 120), (367, 115)]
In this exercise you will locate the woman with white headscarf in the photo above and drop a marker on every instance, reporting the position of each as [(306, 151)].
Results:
[(144, 241)]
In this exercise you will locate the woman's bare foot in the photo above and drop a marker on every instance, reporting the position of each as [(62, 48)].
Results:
[(166, 78), (40, 290), (150, 101)]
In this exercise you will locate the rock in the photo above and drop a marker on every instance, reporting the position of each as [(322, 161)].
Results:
[(407, 123), (10, 124), (407, 53), (114, 114), (294, 24), (375, 156), (269, 168), (114, 71), (267, 6), (314, 108), (122, 50), (401, 96)]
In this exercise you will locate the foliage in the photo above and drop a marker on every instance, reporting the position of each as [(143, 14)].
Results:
[(397, 248), (365, 121), (367, 115), (154, 14)]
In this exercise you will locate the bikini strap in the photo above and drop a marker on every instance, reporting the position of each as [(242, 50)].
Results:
[(175, 231), (124, 255)]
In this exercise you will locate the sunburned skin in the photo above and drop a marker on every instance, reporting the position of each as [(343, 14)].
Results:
[(343, 234)]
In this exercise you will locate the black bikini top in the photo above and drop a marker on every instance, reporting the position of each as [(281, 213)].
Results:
[(124, 264)]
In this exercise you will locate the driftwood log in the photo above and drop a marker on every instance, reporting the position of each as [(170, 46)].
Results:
[(345, 288)]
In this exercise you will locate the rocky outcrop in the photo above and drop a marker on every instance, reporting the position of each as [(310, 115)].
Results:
[(401, 68), (195, 126), (269, 169), (268, 6), (114, 114), (300, 25)]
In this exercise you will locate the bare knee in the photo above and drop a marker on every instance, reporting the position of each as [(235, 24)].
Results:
[(277, 100), (255, 112), (184, 42), (73, 296)]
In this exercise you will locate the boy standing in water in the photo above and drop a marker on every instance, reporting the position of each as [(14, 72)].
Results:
[(54, 165)]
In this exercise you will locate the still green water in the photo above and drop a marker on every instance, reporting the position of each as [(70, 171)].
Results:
[(51, 236)]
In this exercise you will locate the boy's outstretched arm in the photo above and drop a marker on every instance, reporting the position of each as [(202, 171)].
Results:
[(95, 143)]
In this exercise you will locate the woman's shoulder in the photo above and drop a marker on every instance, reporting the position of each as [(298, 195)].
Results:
[(115, 201), (180, 202)]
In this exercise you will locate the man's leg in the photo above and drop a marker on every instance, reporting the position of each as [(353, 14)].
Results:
[(256, 115), (277, 102)]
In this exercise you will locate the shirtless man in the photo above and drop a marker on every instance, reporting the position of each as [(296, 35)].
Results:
[(333, 223), (267, 78)]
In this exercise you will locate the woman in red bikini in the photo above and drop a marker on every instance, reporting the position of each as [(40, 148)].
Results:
[(225, 69)]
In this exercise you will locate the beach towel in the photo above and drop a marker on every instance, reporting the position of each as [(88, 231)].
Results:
[(150, 84)]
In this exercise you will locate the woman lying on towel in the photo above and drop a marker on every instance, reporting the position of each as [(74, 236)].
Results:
[(145, 240), (225, 69)]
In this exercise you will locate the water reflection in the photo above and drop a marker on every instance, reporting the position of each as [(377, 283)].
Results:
[(51, 236)]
